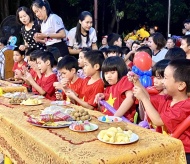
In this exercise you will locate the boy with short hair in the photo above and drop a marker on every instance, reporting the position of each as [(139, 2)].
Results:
[(93, 84), (68, 67), (172, 109), (44, 85)]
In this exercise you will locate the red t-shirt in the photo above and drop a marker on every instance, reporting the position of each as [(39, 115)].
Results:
[(116, 95), (172, 116), (15, 66), (36, 78), (88, 92), (47, 85), (76, 87)]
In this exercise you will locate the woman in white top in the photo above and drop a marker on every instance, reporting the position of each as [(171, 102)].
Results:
[(83, 35), (156, 43), (52, 27)]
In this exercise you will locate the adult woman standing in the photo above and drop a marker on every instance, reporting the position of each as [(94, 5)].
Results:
[(24, 16), (83, 35), (52, 27), (156, 43)]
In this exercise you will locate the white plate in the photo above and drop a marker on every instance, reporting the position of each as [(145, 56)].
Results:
[(31, 104), (134, 138), (109, 119), (95, 127), (52, 127), (60, 103), (37, 97)]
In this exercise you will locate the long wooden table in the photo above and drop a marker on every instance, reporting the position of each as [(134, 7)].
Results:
[(24, 143)]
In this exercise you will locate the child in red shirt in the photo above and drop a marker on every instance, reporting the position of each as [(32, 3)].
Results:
[(19, 65), (92, 84), (68, 67), (118, 92), (172, 109), (44, 86)]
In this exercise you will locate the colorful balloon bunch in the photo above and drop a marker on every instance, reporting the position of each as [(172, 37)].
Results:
[(142, 67)]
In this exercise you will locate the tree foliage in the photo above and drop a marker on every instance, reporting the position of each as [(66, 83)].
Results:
[(153, 12)]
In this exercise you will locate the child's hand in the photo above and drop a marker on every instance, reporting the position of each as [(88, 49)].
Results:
[(132, 77), (22, 47), (58, 85), (71, 94), (64, 82), (139, 93), (28, 77), (99, 97), (58, 96), (18, 74)]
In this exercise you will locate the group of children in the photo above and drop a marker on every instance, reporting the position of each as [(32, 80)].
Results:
[(109, 79)]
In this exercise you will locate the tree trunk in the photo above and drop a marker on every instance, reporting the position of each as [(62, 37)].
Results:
[(117, 27), (110, 29), (103, 16)]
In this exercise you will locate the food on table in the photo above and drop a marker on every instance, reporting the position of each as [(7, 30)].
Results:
[(31, 102), (50, 119), (17, 98), (115, 135), (80, 115), (58, 123), (109, 119), (81, 126), (54, 108)]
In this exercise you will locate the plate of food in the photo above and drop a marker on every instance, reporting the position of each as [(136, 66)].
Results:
[(56, 120), (60, 103), (109, 119), (31, 102), (37, 97), (54, 108), (53, 125), (117, 136), (80, 115), (83, 127)]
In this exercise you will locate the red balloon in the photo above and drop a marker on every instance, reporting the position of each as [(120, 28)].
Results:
[(152, 90), (143, 61)]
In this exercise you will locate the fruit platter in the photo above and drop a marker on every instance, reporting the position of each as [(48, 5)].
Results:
[(79, 126), (116, 136)]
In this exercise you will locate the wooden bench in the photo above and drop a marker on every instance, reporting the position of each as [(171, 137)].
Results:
[(8, 64)]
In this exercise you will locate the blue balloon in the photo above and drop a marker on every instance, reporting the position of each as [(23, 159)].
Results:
[(144, 76)]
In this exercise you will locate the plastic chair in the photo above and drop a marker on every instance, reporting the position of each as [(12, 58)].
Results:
[(181, 128)]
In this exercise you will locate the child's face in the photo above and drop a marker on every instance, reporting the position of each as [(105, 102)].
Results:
[(32, 64), (118, 42), (104, 41), (27, 58), (17, 57), (88, 69), (184, 45), (81, 60), (67, 74), (169, 82), (42, 66), (135, 47), (158, 82), (111, 77)]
